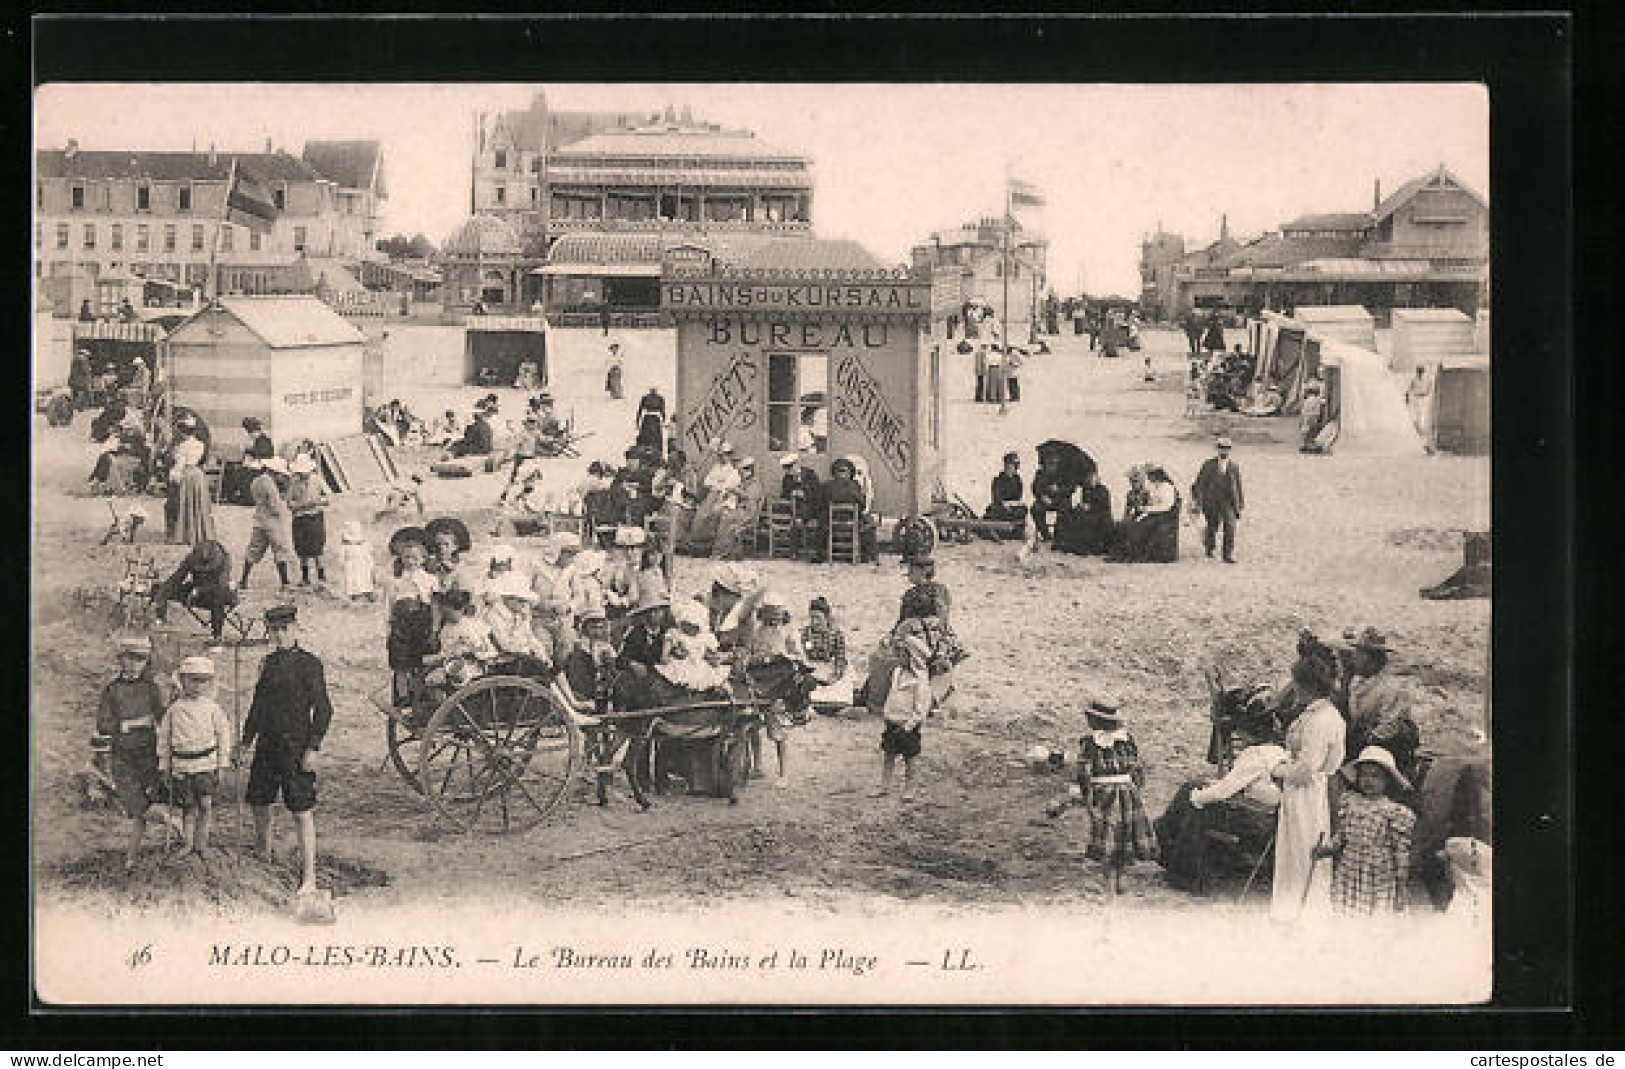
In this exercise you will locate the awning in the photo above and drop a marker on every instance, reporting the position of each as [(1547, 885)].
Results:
[(600, 270)]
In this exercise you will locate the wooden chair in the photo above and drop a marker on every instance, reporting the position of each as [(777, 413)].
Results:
[(845, 536), (781, 528), (214, 471)]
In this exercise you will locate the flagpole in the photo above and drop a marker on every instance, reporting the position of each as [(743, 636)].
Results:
[(1009, 224), (212, 288)]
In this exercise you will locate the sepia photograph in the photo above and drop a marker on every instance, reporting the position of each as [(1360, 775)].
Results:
[(686, 543)]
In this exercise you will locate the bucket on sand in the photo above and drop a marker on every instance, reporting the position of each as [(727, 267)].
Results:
[(315, 907)]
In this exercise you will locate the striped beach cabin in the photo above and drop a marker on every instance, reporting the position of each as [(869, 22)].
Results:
[(292, 362)]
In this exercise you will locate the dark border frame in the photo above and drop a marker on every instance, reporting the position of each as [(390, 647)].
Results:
[(1526, 60)]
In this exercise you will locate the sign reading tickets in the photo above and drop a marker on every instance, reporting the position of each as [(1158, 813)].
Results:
[(900, 298), (729, 403), (860, 404)]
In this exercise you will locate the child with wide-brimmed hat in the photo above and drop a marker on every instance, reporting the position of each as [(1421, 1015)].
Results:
[(1371, 850), (1110, 776)]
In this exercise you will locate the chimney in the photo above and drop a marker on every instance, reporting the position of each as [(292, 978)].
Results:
[(72, 149), (1376, 193), (214, 157), (1224, 228), (267, 146)]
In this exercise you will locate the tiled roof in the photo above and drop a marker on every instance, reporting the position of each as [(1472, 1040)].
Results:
[(351, 164), (1405, 192), (677, 143), (1330, 221), (591, 248), (172, 166), (290, 322), (485, 234), (1273, 250), (790, 254)]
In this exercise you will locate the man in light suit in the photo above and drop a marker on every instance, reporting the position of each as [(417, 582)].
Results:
[(1217, 490)]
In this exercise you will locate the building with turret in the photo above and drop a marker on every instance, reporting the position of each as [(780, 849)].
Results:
[(967, 264)]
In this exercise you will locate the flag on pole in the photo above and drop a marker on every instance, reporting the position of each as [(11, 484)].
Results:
[(1025, 195), (248, 201)]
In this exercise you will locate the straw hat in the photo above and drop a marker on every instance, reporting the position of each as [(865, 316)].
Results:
[(789, 460), (630, 536), (1376, 755), (1369, 639), (408, 536), (275, 464), (1104, 712), (732, 578), (725, 448), (651, 599), (303, 464), (201, 667), (135, 646), (514, 586), (440, 524), (352, 533), (278, 616), (691, 614)]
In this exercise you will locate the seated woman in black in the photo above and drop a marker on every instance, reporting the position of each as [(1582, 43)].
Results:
[(843, 488), (1006, 493), (1052, 494), (477, 438), (1089, 529)]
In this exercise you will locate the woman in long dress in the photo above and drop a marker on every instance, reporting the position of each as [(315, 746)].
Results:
[(192, 514), (1315, 742)]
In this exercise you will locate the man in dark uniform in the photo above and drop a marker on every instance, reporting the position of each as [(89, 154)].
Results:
[(1052, 494), (289, 718)]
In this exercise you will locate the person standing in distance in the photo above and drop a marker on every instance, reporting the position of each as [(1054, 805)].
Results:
[(288, 719), (1217, 491)]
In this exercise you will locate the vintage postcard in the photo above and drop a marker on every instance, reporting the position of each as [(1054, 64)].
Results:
[(848, 544)]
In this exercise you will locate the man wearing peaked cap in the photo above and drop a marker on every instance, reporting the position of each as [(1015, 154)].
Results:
[(286, 724)]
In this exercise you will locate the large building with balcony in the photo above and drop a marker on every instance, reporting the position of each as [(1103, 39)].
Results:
[(159, 217), (1424, 245), (595, 200)]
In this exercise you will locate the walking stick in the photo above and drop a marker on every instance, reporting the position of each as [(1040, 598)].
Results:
[(1314, 860), (236, 742)]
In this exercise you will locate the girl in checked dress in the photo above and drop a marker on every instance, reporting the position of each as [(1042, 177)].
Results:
[(1110, 776), (1372, 847)]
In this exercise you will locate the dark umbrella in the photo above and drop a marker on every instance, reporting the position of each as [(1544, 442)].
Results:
[(1076, 465)]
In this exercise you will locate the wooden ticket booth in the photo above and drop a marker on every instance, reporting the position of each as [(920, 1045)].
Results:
[(825, 363)]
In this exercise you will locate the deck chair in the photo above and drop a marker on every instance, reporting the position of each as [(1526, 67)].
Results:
[(137, 588), (844, 541)]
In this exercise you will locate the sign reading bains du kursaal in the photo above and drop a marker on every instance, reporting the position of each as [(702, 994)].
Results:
[(873, 297)]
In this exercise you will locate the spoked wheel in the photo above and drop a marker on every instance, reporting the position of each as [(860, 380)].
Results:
[(405, 750), (498, 755)]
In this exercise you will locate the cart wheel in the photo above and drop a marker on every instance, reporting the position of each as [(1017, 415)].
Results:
[(498, 755), (405, 750)]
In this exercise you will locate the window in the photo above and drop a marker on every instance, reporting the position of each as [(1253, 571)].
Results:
[(143, 198), (533, 193), (254, 241), (116, 243), (502, 194), (90, 235), (298, 239), (197, 237), (797, 403), (142, 237), (39, 235), (225, 237), (78, 196), (279, 197), (186, 198), (502, 159), (169, 237)]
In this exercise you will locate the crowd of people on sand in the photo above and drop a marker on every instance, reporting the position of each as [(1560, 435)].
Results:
[(1323, 767)]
